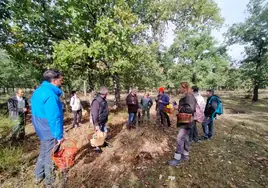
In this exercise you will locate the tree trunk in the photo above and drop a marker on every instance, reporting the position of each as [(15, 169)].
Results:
[(255, 93), (85, 88), (116, 89)]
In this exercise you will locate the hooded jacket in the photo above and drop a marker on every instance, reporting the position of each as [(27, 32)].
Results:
[(47, 112)]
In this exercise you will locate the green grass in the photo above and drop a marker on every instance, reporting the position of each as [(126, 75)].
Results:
[(10, 159)]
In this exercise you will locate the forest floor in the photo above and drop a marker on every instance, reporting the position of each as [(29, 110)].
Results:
[(237, 156)]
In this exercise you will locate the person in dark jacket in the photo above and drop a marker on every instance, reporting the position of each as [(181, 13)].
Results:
[(47, 119), (18, 107), (133, 107), (187, 105), (99, 112), (208, 124), (162, 101)]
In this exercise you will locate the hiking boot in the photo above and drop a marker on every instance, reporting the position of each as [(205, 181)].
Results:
[(174, 162)]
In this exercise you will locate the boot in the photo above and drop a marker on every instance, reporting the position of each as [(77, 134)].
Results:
[(176, 161)]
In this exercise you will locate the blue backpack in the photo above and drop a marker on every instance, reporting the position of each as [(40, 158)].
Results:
[(219, 108)]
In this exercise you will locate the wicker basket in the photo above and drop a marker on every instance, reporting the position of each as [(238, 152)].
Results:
[(184, 118)]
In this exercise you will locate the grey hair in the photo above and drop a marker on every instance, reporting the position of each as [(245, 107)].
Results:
[(19, 89), (103, 90)]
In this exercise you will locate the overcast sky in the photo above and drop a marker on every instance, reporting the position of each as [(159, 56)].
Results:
[(233, 11)]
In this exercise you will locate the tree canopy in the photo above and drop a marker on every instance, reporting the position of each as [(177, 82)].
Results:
[(120, 43)]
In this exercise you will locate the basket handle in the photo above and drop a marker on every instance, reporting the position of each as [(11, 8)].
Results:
[(73, 142)]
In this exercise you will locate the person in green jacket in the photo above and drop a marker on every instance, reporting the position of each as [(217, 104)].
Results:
[(146, 104)]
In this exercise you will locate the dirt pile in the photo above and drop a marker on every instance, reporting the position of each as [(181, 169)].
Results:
[(130, 150)]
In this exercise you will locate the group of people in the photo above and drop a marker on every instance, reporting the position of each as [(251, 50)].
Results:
[(47, 117)]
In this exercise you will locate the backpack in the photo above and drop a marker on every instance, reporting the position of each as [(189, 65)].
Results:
[(219, 108)]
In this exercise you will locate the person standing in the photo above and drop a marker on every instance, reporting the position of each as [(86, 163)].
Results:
[(75, 103), (146, 104), (210, 115), (18, 107), (99, 112), (186, 110), (133, 107), (199, 114), (161, 102), (47, 119)]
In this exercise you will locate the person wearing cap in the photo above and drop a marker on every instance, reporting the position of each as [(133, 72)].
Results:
[(208, 127), (99, 112), (161, 102), (133, 107)]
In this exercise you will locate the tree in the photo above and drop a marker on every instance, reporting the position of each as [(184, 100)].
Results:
[(253, 34)]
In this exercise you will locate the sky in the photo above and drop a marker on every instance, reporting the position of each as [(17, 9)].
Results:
[(233, 11)]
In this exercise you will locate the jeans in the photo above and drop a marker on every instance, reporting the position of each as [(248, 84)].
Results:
[(44, 166), (194, 132), (183, 144), (132, 119), (208, 127), (79, 114), (164, 118)]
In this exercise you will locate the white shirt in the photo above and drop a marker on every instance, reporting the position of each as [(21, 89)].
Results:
[(21, 103), (75, 103)]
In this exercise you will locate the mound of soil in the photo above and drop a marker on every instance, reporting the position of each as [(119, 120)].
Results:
[(131, 150)]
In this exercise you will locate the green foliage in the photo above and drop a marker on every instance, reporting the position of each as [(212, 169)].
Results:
[(253, 34)]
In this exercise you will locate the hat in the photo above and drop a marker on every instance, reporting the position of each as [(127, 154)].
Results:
[(211, 91), (161, 89)]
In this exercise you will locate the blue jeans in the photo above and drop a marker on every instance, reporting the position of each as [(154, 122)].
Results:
[(208, 127), (132, 119), (44, 165)]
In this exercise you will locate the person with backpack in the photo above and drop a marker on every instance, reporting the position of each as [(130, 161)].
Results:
[(146, 104), (212, 109), (99, 112), (198, 115), (186, 110), (162, 101), (75, 103)]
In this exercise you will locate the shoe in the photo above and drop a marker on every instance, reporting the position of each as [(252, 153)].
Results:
[(185, 158), (49, 186), (38, 181), (174, 162)]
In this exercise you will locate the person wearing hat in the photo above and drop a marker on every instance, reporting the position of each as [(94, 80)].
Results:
[(161, 102), (208, 127), (99, 112)]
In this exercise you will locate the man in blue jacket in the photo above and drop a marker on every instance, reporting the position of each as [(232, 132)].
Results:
[(47, 119), (161, 102)]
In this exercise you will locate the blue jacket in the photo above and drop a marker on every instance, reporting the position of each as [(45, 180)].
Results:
[(165, 101), (47, 112)]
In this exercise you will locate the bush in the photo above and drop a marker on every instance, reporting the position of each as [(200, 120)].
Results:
[(10, 159)]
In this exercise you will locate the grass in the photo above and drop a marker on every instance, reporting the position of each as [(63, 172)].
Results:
[(237, 156)]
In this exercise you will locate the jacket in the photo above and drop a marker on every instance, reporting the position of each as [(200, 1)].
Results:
[(146, 103), (200, 108), (13, 107), (211, 107), (47, 112), (99, 111), (187, 104), (132, 103), (165, 101)]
